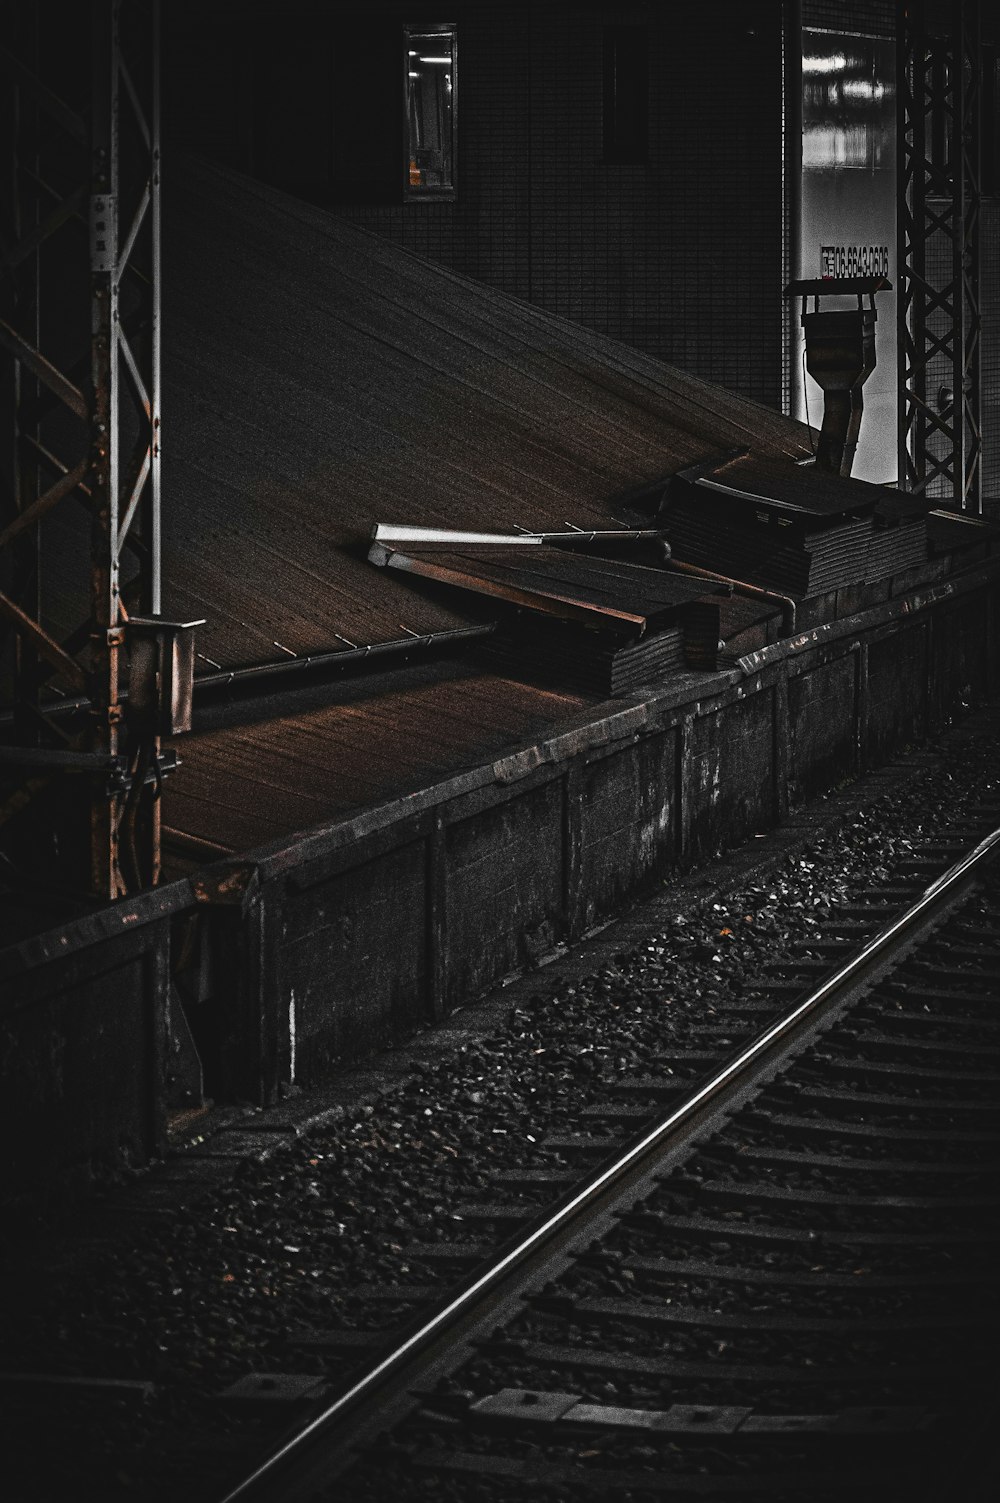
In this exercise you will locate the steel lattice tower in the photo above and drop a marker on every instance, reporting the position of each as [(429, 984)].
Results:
[(939, 143), (84, 178)]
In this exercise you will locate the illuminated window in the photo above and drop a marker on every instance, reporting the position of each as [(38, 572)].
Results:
[(431, 65)]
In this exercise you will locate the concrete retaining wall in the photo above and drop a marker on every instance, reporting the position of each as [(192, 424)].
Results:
[(88, 1056), (318, 950), (371, 927)]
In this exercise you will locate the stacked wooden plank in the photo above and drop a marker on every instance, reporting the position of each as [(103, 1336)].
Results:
[(567, 613), (895, 547), (790, 528), (554, 652), (972, 537), (789, 558), (900, 536)]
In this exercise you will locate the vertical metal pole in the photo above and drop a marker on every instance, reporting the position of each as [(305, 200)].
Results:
[(155, 416), (960, 303), (968, 286), (792, 182), (26, 281), (122, 491), (939, 144), (106, 632), (154, 391), (928, 158), (906, 72)]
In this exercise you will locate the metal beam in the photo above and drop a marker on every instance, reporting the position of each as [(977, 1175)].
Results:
[(939, 145), (106, 637), (40, 639)]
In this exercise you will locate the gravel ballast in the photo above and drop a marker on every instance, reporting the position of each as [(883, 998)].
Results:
[(193, 1293)]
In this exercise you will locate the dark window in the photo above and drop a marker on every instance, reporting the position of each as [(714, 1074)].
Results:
[(431, 76), (626, 93)]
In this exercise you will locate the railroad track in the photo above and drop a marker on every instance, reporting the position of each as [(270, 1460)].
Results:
[(778, 1283)]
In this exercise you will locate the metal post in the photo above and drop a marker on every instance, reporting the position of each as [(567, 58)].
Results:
[(156, 436), (155, 415), (26, 278), (909, 47), (793, 268), (969, 349), (106, 635)]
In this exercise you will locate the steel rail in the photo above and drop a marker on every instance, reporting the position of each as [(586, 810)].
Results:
[(876, 955)]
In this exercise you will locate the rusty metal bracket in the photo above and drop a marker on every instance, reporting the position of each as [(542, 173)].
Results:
[(227, 884)]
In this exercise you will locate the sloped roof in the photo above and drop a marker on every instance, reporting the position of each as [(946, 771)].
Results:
[(319, 378)]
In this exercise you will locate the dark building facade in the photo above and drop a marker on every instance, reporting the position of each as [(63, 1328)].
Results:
[(635, 168), (676, 250)]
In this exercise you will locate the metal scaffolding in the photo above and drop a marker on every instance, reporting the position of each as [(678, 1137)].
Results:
[(939, 142), (85, 444)]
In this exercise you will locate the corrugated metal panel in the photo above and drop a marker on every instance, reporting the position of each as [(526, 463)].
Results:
[(319, 378)]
